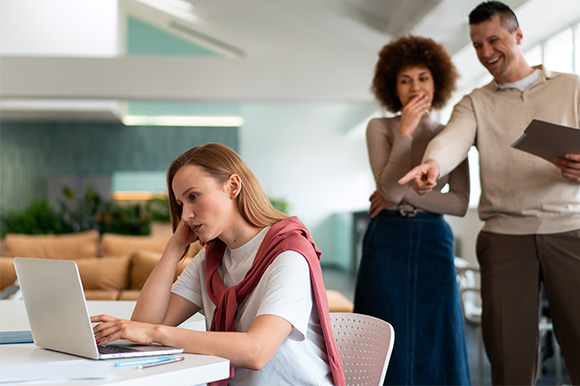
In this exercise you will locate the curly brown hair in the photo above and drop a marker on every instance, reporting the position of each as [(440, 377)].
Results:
[(413, 51)]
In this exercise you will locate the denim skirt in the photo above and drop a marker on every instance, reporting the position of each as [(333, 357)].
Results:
[(407, 278)]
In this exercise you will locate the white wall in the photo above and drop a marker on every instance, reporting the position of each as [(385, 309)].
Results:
[(58, 28), (465, 230), (303, 152)]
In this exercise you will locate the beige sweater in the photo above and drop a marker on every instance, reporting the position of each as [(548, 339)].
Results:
[(392, 155), (521, 193)]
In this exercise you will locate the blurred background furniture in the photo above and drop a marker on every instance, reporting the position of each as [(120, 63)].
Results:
[(365, 344), (470, 293), (112, 266), (549, 345)]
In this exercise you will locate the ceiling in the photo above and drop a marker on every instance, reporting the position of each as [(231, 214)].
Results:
[(263, 50)]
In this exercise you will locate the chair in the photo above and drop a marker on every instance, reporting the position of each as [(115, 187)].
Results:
[(546, 328), (365, 344), (470, 295)]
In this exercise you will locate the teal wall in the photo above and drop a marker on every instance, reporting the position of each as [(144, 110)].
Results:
[(145, 39), (32, 151)]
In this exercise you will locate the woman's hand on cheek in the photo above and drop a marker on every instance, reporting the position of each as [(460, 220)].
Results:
[(184, 235)]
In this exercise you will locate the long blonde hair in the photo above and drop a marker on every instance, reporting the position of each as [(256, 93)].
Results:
[(220, 162)]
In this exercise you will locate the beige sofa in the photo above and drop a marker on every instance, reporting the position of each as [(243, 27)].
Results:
[(111, 266)]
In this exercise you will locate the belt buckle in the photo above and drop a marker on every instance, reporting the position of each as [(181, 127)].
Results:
[(407, 210)]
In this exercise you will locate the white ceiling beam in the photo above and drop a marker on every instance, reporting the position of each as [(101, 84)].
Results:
[(177, 78)]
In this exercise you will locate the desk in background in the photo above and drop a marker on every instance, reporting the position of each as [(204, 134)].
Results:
[(194, 370)]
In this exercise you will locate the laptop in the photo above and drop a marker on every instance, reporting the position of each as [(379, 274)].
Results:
[(58, 314)]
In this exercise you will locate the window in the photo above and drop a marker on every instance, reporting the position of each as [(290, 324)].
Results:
[(534, 55), (577, 48), (138, 185), (559, 52)]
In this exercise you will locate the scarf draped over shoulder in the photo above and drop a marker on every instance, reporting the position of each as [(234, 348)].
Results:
[(286, 235)]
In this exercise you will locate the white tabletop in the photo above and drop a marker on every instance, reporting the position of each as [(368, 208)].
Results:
[(13, 314), (194, 370)]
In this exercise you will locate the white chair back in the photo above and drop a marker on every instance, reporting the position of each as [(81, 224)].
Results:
[(365, 344), (468, 281)]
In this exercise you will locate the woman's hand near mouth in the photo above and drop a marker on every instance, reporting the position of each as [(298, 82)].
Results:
[(412, 113)]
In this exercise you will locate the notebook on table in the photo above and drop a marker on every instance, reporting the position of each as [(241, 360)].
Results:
[(58, 314)]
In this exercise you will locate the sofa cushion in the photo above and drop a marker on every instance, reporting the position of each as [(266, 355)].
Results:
[(143, 262), (337, 302), (104, 273), (129, 295), (194, 249), (115, 244), (102, 294), (7, 272), (65, 247)]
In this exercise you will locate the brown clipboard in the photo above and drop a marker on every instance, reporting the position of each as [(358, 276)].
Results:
[(548, 140)]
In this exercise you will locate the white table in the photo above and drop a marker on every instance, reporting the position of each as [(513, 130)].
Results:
[(194, 370)]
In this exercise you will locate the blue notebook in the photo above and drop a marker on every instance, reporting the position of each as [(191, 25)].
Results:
[(14, 337)]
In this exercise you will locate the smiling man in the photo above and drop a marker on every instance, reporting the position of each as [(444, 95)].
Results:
[(530, 207)]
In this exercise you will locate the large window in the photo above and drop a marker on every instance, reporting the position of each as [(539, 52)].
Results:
[(577, 48), (534, 56), (560, 52)]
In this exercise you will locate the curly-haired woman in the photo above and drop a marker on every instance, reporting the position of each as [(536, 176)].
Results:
[(407, 273)]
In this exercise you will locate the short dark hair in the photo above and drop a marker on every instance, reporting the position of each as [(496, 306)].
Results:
[(486, 10), (413, 51)]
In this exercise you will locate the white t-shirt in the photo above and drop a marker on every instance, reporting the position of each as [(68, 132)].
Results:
[(284, 290), (521, 84)]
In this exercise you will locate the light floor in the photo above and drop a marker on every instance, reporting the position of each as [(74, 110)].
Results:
[(345, 281)]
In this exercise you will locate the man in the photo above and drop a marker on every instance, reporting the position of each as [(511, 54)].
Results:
[(530, 207)]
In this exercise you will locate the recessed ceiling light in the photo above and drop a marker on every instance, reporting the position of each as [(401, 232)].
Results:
[(198, 121)]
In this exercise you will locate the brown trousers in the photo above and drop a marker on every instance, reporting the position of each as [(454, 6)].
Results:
[(512, 268)]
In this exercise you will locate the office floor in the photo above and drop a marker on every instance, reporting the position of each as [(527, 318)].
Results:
[(345, 281)]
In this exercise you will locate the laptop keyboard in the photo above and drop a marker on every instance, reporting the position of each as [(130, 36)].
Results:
[(112, 349)]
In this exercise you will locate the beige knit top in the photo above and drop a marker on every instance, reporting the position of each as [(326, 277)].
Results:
[(392, 155), (521, 193)]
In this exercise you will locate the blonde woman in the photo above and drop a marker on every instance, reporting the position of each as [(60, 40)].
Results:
[(258, 281)]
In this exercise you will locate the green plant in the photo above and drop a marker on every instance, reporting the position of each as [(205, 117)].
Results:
[(81, 214), (39, 218), (158, 209), (280, 203), (89, 212), (123, 218)]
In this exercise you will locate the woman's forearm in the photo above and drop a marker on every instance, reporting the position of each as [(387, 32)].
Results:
[(251, 350), (153, 300)]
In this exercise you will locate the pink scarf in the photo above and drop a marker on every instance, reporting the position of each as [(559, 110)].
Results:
[(285, 235)]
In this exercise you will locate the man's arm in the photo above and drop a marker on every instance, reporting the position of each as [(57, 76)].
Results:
[(569, 166), (449, 148)]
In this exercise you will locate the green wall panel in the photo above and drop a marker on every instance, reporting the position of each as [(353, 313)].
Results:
[(32, 151), (145, 39)]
